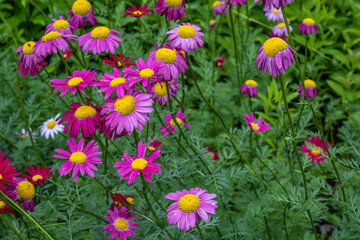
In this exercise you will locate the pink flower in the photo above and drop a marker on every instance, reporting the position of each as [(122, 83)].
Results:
[(80, 12), (186, 36), (60, 25), (213, 155), (280, 29), (220, 8), (171, 125), (23, 192), (154, 145), (256, 126), (275, 3), (315, 149), (38, 175), (159, 91), (273, 14), (131, 168), (310, 88), (249, 88), (308, 26), (7, 172), (173, 9), (110, 83), (80, 159), (238, 2), (28, 61), (190, 206), (219, 61)]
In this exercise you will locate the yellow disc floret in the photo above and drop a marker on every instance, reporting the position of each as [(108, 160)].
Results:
[(139, 164), (173, 3), (28, 48), (281, 25), (316, 151), (254, 126), (146, 73), (51, 124), (212, 22), (309, 83), (167, 55), (26, 190), (186, 32), (130, 200), (251, 83), (121, 224), (273, 46), (2, 204), (78, 157), (37, 177), (81, 7), (178, 120), (150, 148), (100, 33), (189, 203), (216, 4), (75, 81), (61, 24), (51, 36), (85, 112), (125, 105), (1, 177), (160, 89), (137, 13), (117, 81), (23, 136), (276, 11), (309, 21)]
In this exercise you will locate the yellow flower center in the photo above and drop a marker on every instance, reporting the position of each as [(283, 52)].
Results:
[(281, 25), (119, 64), (275, 11), (212, 156), (23, 136), (150, 148), (178, 120), (216, 4), (1, 177), (26, 190), (51, 124), (78, 157), (309, 83), (121, 224), (37, 177), (100, 33), (51, 36), (65, 56), (189, 203), (212, 22), (85, 112), (251, 83), (125, 105), (173, 3), (254, 126), (186, 32), (2, 204), (28, 48), (273, 46), (130, 200), (117, 203), (75, 81), (81, 7), (160, 89), (167, 55), (146, 73), (139, 164), (137, 13), (61, 24), (117, 81), (316, 151), (309, 21)]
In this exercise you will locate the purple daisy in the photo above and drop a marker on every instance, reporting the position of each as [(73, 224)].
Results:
[(273, 14), (171, 125), (190, 206), (159, 91), (310, 88), (29, 63), (22, 191), (110, 83), (276, 3), (174, 9), (238, 2), (256, 126), (186, 37), (220, 7), (80, 12), (308, 26), (101, 39), (249, 88), (60, 25), (280, 29)]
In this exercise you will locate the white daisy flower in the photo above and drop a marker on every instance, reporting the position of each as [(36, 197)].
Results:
[(24, 134), (51, 127)]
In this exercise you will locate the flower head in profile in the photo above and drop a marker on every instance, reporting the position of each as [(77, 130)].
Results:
[(159, 91), (315, 149), (79, 159), (24, 134), (120, 200), (310, 88), (280, 29), (4, 207), (272, 35), (173, 9), (116, 63), (189, 207), (60, 25), (121, 224), (275, 55), (52, 42), (113, 82), (29, 62), (219, 61), (67, 55), (256, 126), (213, 155), (249, 88), (238, 2), (51, 127), (308, 26), (273, 14), (132, 166), (154, 145), (80, 13), (134, 12), (276, 3), (23, 192), (7, 172), (38, 175), (186, 36), (220, 8), (99, 40), (171, 125), (212, 24)]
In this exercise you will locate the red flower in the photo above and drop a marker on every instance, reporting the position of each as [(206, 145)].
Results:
[(37, 175), (213, 155), (143, 10), (6, 172), (123, 202), (67, 55), (315, 149), (220, 60), (155, 145), (116, 63), (4, 207)]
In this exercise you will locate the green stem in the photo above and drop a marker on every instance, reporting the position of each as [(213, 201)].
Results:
[(2, 216), (64, 62), (44, 81), (298, 125), (199, 230), (306, 53), (141, 42), (235, 46), (152, 194)]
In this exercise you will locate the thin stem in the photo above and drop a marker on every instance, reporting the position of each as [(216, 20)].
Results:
[(141, 42), (306, 52), (235, 46), (64, 62), (199, 230), (2, 216), (152, 194), (298, 124)]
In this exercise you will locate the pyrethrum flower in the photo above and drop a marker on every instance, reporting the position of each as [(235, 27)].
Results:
[(23, 192), (249, 88), (67, 54), (148, 72), (51, 127), (273, 14), (110, 83), (80, 159), (118, 203), (220, 7), (80, 12), (275, 55), (159, 91), (60, 25), (29, 63), (171, 125), (25, 134), (134, 12), (116, 63), (219, 61), (101, 39), (280, 29), (121, 224), (186, 36), (131, 168), (4, 207), (315, 149), (238, 2), (212, 24), (190, 206), (38, 175), (256, 126), (52, 42), (275, 3), (308, 26), (82, 117), (7, 172), (213, 155), (310, 88), (173, 9), (154, 145)]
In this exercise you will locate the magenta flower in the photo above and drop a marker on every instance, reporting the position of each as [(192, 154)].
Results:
[(173, 9), (80, 12), (131, 168), (159, 91), (310, 88), (187, 37), (125, 113), (273, 14), (280, 29), (79, 159), (154, 145), (220, 7), (219, 61), (275, 3), (23, 192), (171, 125), (60, 25), (190, 206), (275, 55), (212, 24), (249, 88), (213, 155), (110, 83), (256, 126), (85, 118), (77, 81), (315, 149), (29, 62), (38, 175), (7, 172), (238, 2), (121, 224), (308, 26), (101, 39)]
